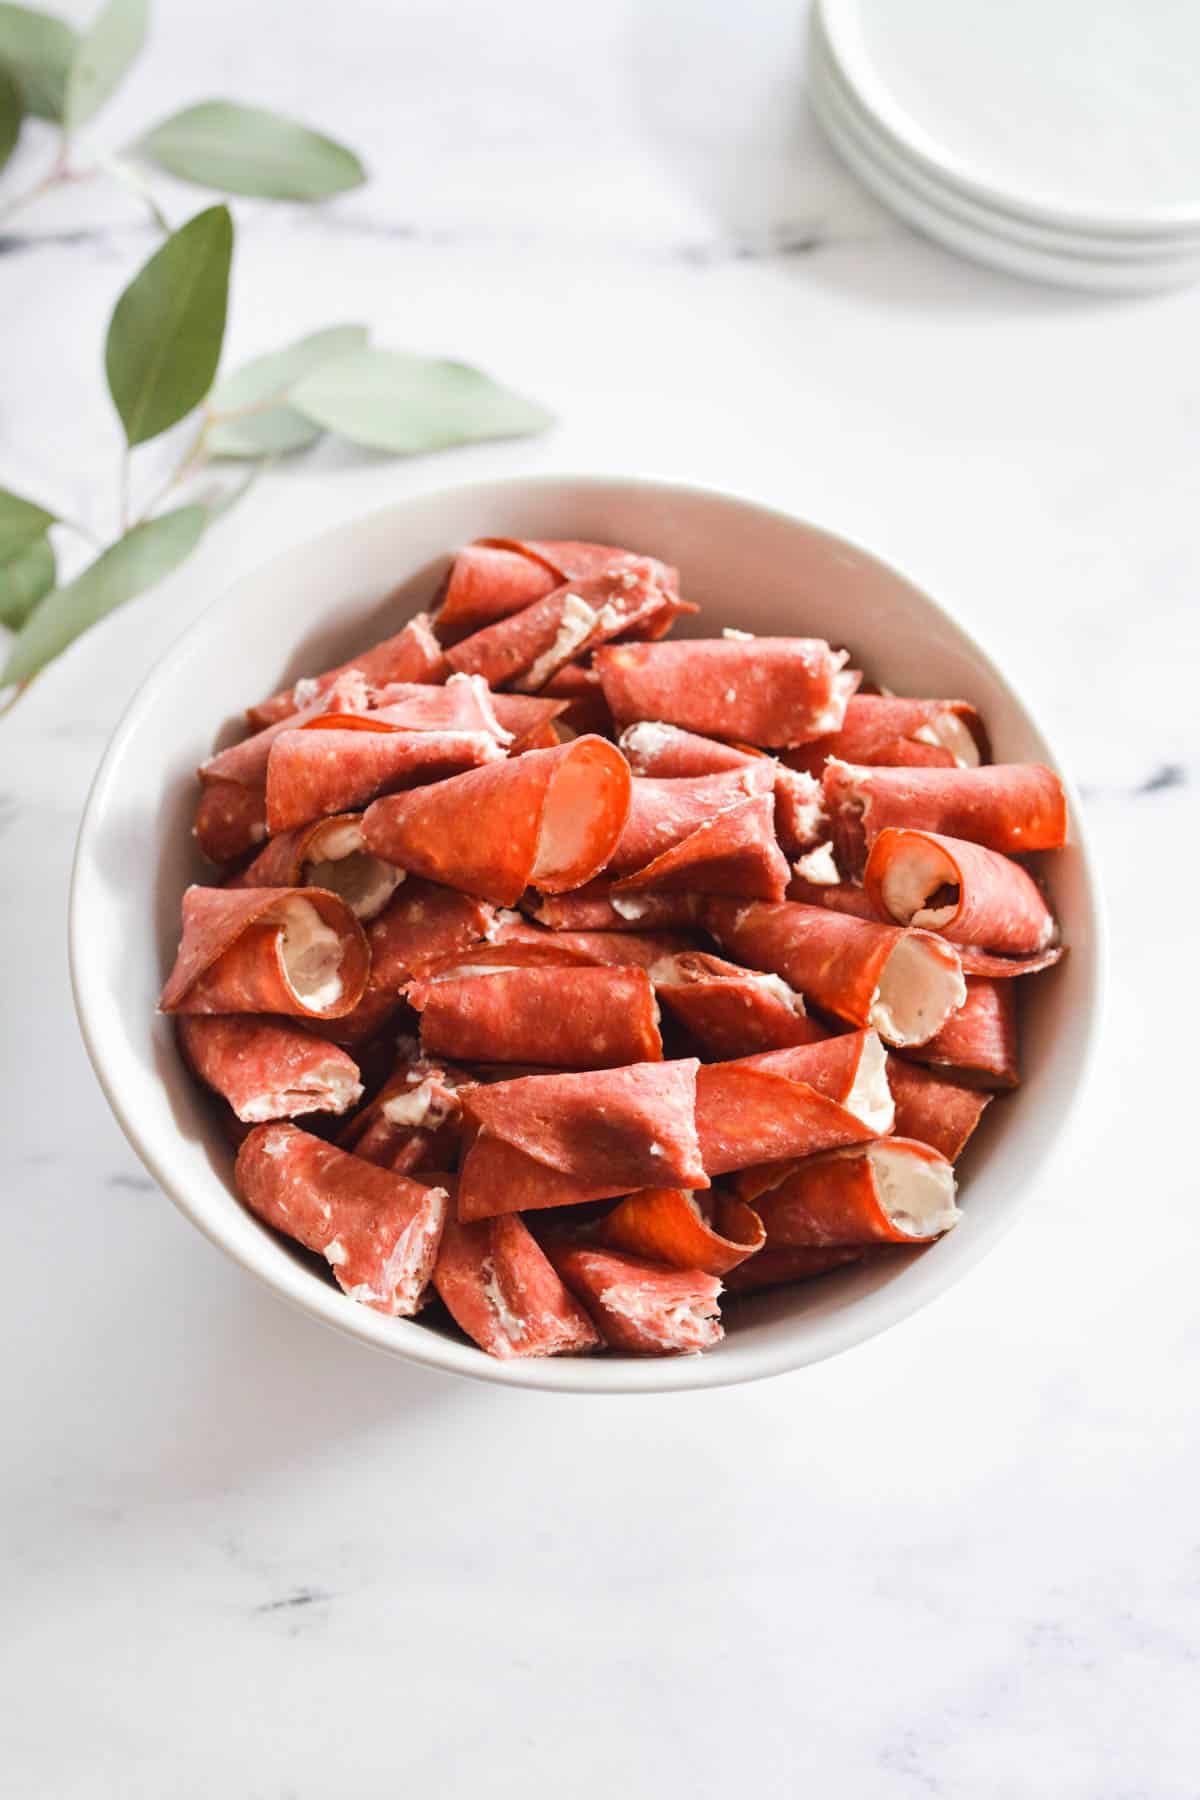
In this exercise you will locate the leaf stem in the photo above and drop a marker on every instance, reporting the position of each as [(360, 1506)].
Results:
[(193, 458), (56, 176)]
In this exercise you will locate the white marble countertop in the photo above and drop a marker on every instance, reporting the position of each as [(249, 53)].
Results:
[(244, 1557)]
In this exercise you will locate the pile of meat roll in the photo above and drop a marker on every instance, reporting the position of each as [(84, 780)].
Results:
[(558, 979)]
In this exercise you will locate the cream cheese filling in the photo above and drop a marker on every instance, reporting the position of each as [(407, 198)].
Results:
[(647, 739), (578, 619), (916, 1193), (329, 1088), (919, 987), (365, 882), (818, 867), (311, 953), (870, 1097), (911, 879)]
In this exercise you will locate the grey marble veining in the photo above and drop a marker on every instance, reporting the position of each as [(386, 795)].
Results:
[(242, 1556)]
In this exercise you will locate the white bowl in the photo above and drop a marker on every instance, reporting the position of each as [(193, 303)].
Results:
[(748, 566)]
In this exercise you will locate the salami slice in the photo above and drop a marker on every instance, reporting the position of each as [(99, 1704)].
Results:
[(422, 925), (614, 949), (903, 984), (769, 692), (557, 1140), (413, 654), (501, 1289), (266, 1070), (730, 1011), (260, 950), (330, 854), (667, 752), (1003, 968), (416, 1117), (664, 813), (312, 772), (968, 894), (934, 1110), (465, 703), (599, 907), (734, 852), (550, 817), (978, 1043), (668, 1225), (1008, 807), (498, 576), (232, 813), (563, 1018), (379, 1232), (779, 1266), (816, 882), (886, 729), (639, 1306), (763, 1109), (526, 649), (892, 1191)]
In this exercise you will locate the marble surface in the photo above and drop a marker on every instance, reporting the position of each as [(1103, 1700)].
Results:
[(242, 1556)]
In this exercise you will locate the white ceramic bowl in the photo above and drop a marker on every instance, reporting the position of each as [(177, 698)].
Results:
[(749, 567)]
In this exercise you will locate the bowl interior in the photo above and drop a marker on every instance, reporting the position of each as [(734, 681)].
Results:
[(748, 567)]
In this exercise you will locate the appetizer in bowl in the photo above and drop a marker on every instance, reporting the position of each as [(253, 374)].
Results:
[(575, 973)]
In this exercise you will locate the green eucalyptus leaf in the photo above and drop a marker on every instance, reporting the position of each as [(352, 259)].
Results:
[(107, 51), (135, 562), (244, 150), (24, 580), (11, 112), (39, 50), (390, 400), (251, 414), (21, 522), (164, 338)]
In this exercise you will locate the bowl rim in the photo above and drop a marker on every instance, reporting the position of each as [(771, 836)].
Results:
[(298, 1285)]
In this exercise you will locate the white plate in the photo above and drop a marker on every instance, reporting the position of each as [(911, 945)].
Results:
[(1015, 255), (749, 567), (1080, 113), (827, 80)]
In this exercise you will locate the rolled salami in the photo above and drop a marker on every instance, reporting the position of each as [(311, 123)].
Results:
[(501, 1289), (586, 708), (892, 1191), (413, 654), (327, 769), (232, 814), (770, 692), (599, 906), (727, 1010), (666, 751), (977, 1043), (416, 1117), (494, 577), (557, 1140), (763, 1109), (668, 1225), (330, 854), (1008, 807), (640, 1306), (565, 1017), (903, 984), (550, 817), (267, 950), (465, 703), (528, 648), (933, 1109), (886, 729), (422, 924), (266, 1070), (968, 894), (379, 1232), (734, 852), (664, 813)]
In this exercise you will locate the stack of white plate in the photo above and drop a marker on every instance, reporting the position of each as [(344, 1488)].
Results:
[(1058, 139)]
